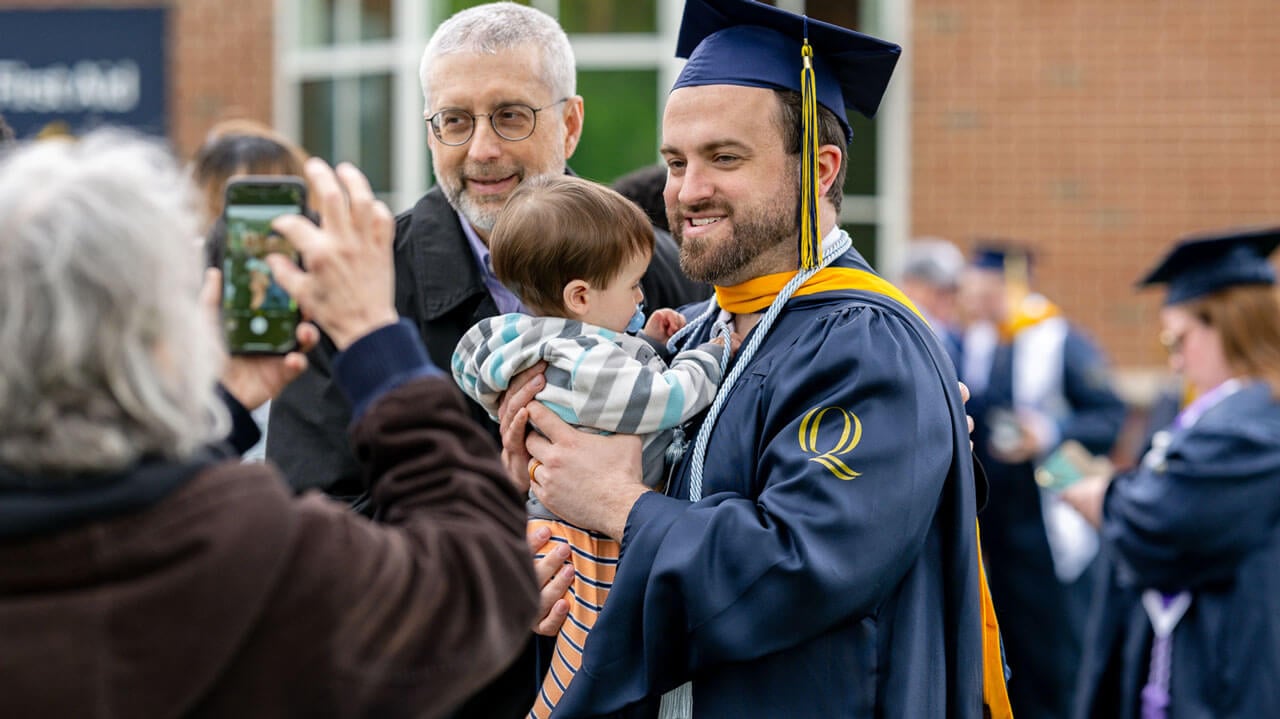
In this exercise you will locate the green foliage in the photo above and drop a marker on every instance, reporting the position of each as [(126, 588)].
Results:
[(621, 127)]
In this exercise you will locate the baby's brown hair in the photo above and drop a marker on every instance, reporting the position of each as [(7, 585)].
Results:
[(560, 228)]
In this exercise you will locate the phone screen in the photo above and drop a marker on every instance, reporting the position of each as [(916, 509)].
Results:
[(258, 316)]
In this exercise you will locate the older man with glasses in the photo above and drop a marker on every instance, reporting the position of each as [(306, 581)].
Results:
[(501, 106)]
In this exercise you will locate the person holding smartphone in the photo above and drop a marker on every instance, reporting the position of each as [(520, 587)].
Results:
[(145, 573)]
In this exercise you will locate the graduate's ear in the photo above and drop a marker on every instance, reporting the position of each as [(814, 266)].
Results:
[(829, 159), (577, 298)]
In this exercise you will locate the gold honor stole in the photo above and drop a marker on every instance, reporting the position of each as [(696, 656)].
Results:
[(1027, 313), (757, 294)]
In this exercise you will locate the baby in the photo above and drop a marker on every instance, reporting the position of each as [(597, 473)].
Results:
[(574, 252)]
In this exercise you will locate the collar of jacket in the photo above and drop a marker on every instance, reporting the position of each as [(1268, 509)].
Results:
[(444, 268), (32, 506), (444, 273)]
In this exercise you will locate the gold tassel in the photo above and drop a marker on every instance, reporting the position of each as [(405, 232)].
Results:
[(810, 241)]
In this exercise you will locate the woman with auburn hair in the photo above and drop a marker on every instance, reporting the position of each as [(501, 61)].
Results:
[(1187, 623)]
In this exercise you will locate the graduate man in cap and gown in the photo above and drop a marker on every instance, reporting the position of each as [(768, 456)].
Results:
[(1187, 623), (1037, 381), (815, 553)]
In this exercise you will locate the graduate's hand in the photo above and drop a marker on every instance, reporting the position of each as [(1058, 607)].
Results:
[(589, 480), (254, 379), (664, 323), (964, 398), (555, 574), (513, 422), (1087, 497)]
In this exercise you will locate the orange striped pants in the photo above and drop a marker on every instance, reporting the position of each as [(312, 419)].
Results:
[(594, 558)]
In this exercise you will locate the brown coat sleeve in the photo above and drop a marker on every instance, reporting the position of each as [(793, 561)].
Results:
[(436, 599)]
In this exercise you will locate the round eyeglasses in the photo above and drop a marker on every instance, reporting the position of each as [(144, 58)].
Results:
[(513, 123)]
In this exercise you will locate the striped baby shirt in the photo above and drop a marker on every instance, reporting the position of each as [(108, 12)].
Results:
[(597, 380)]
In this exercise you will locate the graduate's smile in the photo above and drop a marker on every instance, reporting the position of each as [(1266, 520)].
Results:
[(701, 226)]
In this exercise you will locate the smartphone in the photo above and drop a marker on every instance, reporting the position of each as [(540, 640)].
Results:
[(1066, 465), (258, 316)]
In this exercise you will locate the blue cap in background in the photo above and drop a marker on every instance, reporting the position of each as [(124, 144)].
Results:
[(998, 255), (1203, 264)]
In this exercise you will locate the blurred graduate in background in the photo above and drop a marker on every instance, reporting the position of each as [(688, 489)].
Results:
[(1187, 623), (1037, 381)]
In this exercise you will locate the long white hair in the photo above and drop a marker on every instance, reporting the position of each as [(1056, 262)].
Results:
[(106, 355)]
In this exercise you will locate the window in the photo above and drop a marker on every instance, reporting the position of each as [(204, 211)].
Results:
[(620, 134), (605, 16)]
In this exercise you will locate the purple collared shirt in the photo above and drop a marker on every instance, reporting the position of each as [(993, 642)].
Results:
[(503, 297)]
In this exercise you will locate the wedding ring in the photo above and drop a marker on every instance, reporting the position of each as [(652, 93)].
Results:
[(533, 467)]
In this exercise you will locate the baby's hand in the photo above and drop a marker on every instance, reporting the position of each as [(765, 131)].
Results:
[(663, 323)]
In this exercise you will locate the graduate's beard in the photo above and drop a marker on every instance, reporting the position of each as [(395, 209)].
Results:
[(756, 233)]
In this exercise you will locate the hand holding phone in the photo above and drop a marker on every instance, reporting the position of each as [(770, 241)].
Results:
[(349, 287), (258, 316)]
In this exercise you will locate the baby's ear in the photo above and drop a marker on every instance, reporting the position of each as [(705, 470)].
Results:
[(577, 298)]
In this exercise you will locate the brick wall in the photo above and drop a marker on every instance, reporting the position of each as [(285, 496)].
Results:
[(1098, 131), (220, 60)]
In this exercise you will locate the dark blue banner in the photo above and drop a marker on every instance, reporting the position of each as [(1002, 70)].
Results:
[(77, 69)]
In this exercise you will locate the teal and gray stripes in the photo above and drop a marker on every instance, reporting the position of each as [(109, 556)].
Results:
[(596, 378)]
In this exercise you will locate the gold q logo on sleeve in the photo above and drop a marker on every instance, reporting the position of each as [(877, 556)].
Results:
[(850, 436)]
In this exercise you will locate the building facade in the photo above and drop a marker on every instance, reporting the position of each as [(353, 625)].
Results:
[(1095, 131)]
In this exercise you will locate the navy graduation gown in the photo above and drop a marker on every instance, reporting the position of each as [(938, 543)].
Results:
[(1205, 518), (792, 590), (1041, 620)]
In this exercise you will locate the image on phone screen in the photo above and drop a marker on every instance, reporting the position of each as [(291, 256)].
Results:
[(258, 316)]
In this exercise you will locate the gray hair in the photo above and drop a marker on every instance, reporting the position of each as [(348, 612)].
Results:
[(934, 261), (495, 27), (108, 355)]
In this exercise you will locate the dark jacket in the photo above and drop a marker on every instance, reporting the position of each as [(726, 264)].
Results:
[(440, 289), (206, 589)]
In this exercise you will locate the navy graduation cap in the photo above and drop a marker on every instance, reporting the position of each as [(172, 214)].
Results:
[(1202, 264), (999, 256), (742, 42)]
